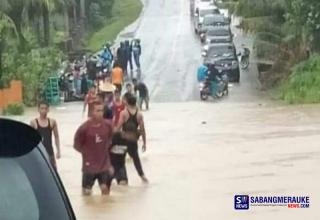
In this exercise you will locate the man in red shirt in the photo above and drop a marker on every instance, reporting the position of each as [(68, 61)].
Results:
[(118, 107), (93, 140)]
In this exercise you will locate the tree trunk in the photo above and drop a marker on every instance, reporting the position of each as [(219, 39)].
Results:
[(83, 15), (37, 27), (16, 17), (66, 23), (75, 19), (46, 25), (82, 9), (1, 47)]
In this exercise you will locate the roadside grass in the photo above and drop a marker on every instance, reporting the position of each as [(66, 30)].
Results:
[(124, 13), (303, 86)]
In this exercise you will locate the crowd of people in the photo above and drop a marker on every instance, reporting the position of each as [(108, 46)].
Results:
[(114, 124), (112, 130), (78, 75)]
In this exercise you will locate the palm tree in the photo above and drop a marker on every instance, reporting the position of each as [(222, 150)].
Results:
[(7, 28), (43, 9), (14, 10)]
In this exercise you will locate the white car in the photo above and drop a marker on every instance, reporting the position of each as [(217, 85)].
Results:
[(201, 12)]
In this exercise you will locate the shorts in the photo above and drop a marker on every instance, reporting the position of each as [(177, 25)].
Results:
[(120, 171), (88, 179)]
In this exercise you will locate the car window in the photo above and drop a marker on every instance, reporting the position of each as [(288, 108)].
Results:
[(28, 185), (15, 187), (218, 32), (204, 12), (220, 40), (221, 51), (211, 20)]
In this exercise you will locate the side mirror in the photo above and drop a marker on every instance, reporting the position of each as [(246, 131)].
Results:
[(204, 54)]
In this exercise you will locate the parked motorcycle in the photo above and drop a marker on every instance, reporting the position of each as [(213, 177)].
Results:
[(244, 59), (215, 89)]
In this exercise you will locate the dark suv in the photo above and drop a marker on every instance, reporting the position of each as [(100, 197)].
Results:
[(218, 34), (224, 56), (29, 187)]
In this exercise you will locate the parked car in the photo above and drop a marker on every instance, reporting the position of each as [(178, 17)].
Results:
[(201, 3), (218, 40), (224, 56), (212, 34), (30, 187), (201, 12), (212, 20)]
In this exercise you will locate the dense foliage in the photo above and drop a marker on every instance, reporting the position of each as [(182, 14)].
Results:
[(14, 109), (286, 34), (304, 83), (33, 34)]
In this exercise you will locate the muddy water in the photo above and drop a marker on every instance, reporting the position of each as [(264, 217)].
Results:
[(200, 155)]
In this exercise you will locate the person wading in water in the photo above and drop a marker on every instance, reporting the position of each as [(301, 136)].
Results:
[(46, 126), (131, 117)]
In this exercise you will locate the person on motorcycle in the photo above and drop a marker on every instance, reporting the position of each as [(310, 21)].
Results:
[(202, 72), (244, 53), (108, 46), (106, 58), (213, 78)]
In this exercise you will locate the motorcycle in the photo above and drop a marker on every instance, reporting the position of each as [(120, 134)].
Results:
[(215, 89)]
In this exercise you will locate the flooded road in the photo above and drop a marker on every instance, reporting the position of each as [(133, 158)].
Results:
[(201, 154)]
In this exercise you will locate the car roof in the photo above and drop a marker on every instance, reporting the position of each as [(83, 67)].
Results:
[(204, 6), (221, 45), (220, 27), (214, 16), (10, 145), (218, 37)]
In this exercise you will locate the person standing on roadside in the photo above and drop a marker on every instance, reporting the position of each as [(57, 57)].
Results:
[(128, 47), (117, 77), (93, 140), (106, 98), (143, 93), (131, 117), (118, 107), (77, 78), (136, 49), (129, 91), (89, 100), (121, 56), (46, 126)]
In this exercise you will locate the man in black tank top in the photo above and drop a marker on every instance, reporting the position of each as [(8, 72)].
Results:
[(131, 117), (46, 126)]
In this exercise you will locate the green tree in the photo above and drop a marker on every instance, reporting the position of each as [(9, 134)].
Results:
[(7, 30)]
